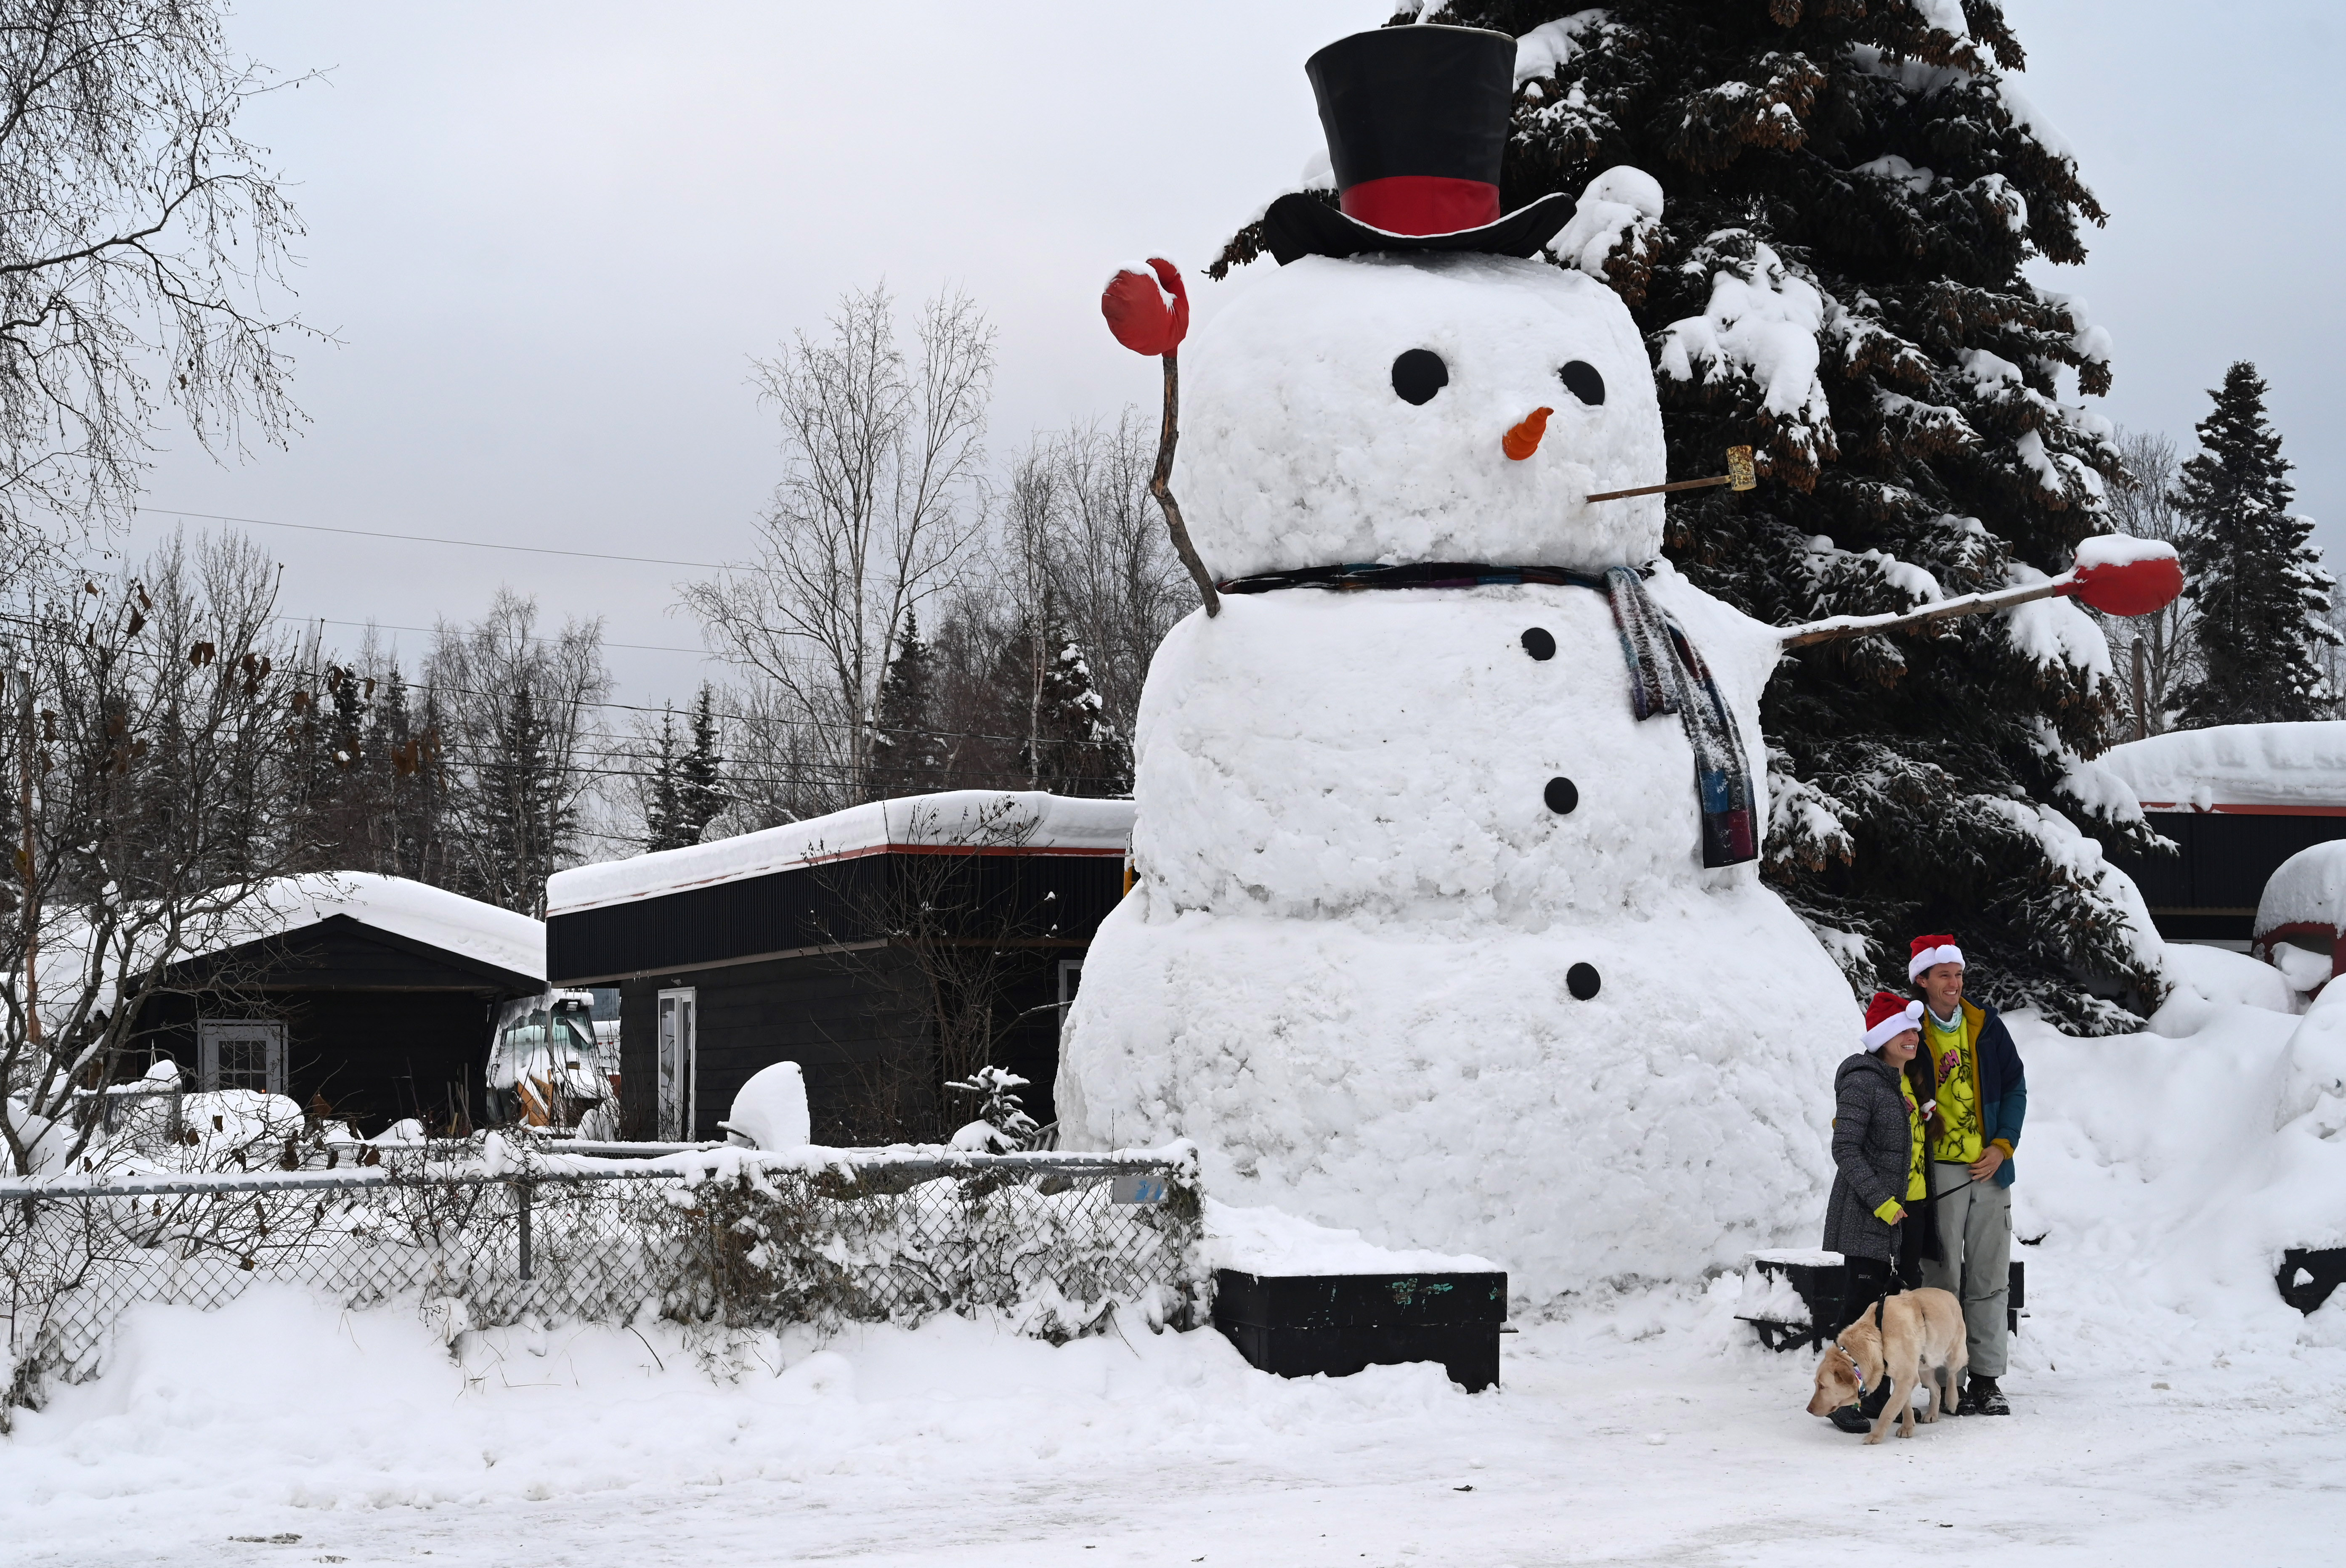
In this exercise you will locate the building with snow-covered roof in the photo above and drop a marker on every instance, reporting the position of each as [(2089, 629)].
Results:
[(885, 949), (374, 994), (2238, 800)]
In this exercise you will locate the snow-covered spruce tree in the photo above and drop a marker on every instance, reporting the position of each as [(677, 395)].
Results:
[(700, 771), (907, 753), (2255, 575), (1827, 258), (1070, 747), (656, 789)]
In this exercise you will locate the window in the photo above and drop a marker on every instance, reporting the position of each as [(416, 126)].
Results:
[(238, 1053), (1071, 976)]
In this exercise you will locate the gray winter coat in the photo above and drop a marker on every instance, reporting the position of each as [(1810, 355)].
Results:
[(1872, 1146)]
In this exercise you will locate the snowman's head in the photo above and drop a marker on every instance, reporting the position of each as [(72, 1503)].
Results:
[(1358, 409)]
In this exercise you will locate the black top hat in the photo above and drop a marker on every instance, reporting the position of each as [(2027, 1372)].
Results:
[(1417, 119)]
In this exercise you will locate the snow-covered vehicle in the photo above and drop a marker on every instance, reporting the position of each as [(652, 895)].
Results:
[(2301, 915), (552, 1065)]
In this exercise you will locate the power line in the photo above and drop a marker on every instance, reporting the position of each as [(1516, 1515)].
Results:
[(425, 539), (435, 631)]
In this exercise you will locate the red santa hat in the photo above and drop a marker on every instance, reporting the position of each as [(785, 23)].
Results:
[(1930, 949), (1888, 1016)]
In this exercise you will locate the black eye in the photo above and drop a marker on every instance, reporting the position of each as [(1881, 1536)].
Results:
[(1581, 380), (1419, 374)]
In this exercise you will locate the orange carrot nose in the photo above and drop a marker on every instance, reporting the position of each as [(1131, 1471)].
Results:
[(1525, 439)]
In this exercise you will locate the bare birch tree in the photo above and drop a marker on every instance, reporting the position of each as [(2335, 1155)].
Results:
[(879, 504), (2142, 504), (141, 252), (144, 749), (1118, 584)]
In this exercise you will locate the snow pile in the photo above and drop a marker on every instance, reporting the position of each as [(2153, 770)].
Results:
[(1348, 968), (769, 1111), (2302, 764), (1621, 203), (1297, 452), (2206, 979), (2308, 888), (1270, 1241), (2054, 634), (2122, 550), (989, 820), (2175, 1167), (1552, 45), (1762, 321)]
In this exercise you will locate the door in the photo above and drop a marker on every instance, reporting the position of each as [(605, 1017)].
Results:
[(675, 1064), (239, 1054)]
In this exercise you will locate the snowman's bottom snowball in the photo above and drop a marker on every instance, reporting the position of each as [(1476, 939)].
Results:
[(1447, 1091)]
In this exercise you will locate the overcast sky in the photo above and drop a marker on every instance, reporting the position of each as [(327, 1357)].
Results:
[(550, 236)]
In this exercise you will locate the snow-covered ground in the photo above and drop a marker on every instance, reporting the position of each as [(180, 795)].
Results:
[(2169, 1409)]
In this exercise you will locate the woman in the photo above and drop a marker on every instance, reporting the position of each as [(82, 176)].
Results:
[(1882, 1177)]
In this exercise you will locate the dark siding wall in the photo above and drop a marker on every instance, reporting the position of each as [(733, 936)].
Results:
[(374, 1056), (1028, 896), (856, 1023), (380, 1032), (2211, 887), (638, 1070)]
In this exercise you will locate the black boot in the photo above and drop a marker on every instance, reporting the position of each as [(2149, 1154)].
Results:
[(1858, 1419), (1983, 1397)]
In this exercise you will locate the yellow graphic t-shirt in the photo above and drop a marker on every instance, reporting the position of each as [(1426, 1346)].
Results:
[(1917, 1189), (1959, 1113)]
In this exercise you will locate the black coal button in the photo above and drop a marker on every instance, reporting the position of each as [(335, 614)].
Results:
[(1582, 981), (1561, 795), (1540, 643)]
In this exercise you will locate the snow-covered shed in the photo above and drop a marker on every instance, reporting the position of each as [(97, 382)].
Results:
[(375, 995), (884, 949), (2238, 799)]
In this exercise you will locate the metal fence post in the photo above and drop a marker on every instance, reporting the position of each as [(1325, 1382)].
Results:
[(524, 1189)]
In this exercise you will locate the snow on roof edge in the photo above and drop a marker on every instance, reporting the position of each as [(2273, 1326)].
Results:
[(2296, 764), (416, 910), (996, 819)]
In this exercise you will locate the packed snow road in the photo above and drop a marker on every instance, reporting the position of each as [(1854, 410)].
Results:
[(1649, 1431)]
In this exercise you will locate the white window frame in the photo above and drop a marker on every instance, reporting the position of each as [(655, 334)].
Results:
[(210, 1033), (1071, 979), (676, 1037)]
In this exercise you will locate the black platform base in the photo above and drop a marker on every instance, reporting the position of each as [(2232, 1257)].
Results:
[(2324, 1269), (1305, 1325), (1823, 1289)]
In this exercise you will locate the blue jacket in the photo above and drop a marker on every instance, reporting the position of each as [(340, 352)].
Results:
[(2003, 1086)]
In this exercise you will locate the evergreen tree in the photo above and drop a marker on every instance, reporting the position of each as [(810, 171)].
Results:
[(909, 757), (521, 824), (662, 797), (1860, 176), (2255, 575), (1046, 726), (1076, 750), (700, 771), (403, 753)]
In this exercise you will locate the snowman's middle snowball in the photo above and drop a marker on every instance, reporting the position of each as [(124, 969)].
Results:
[(1299, 451)]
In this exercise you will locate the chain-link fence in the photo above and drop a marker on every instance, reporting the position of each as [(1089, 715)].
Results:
[(1053, 1242)]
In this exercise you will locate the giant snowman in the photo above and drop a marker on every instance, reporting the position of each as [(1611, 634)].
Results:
[(1423, 940)]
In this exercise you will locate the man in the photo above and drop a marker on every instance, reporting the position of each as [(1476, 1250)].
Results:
[(1983, 1096)]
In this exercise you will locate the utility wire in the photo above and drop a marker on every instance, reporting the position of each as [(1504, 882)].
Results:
[(426, 539)]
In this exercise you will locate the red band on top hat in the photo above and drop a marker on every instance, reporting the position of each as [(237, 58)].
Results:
[(1422, 204)]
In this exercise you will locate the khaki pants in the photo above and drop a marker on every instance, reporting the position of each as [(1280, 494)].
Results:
[(1975, 1237)]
